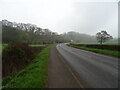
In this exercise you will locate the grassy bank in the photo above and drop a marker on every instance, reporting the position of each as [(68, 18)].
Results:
[(107, 52), (32, 76)]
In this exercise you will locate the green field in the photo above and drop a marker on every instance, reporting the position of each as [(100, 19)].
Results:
[(108, 52), (32, 76), (2, 46), (37, 45), (99, 43)]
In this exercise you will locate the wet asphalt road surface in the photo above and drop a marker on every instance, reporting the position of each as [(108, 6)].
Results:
[(93, 70), (59, 76)]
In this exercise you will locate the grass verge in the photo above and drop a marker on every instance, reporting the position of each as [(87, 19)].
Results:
[(32, 76), (107, 52)]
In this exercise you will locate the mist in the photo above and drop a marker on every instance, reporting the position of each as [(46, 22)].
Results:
[(64, 15)]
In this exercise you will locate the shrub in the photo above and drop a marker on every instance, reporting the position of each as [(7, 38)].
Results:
[(15, 56)]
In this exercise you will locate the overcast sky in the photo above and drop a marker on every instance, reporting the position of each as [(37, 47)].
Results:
[(64, 15)]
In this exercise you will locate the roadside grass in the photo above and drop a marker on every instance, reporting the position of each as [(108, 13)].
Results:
[(86, 43), (32, 76), (107, 52), (115, 43)]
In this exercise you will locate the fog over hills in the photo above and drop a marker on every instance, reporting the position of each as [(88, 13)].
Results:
[(83, 16), (31, 33)]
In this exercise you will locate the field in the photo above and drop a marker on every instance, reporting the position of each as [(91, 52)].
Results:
[(106, 43), (33, 75), (109, 49), (33, 45), (37, 45), (0, 48)]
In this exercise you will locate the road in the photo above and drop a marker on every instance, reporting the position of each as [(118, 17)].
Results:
[(93, 70), (59, 75)]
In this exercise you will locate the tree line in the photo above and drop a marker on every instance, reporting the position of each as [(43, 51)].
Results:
[(32, 34), (27, 33)]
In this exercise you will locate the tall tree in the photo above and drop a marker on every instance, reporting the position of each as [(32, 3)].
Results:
[(103, 36)]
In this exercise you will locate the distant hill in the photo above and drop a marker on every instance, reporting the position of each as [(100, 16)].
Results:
[(79, 37)]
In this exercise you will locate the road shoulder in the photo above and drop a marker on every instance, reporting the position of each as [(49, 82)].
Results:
[(58, 74)]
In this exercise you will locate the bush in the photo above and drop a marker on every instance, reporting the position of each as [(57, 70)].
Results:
[(15, 56)]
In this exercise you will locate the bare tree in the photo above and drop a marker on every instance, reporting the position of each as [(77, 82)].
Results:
[(103, 36)]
